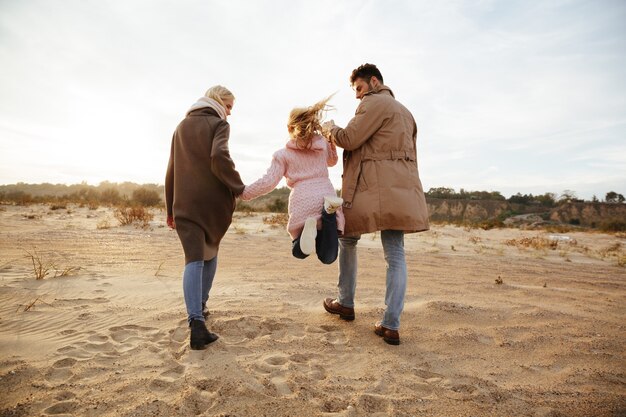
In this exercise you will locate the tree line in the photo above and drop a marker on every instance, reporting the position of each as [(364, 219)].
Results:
[(128, 193), (546, 199)]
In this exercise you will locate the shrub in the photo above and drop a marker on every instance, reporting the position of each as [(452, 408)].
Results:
[(110, 196), (146, 197), (19, 197), (277, 206), (613, 226), (243, 206), (129, 215)]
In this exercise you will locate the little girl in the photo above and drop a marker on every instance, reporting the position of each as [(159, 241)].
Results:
[(313, 202)]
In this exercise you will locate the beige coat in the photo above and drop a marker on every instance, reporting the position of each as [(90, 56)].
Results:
[(201, 183), (381, 187)]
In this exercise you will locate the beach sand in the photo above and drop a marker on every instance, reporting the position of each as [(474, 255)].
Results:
[(111, 338)]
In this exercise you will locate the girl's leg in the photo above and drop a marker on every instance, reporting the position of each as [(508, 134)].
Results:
[(327, 240), (192, 290), (295, 249), (208, 273)]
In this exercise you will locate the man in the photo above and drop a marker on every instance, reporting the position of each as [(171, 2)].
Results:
[(381, 190)]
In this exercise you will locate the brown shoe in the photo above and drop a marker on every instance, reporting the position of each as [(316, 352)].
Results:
[(390, 336), (333, 307)]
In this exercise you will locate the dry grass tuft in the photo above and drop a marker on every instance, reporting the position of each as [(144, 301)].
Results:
[(67, 271), (278, 219), (30, 305), (240, 230), (130, 215), (103, 224), (41, 266), (158, 271), (612, 250), (474, 239), (535, 242)]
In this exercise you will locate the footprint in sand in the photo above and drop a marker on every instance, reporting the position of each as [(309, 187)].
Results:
[(165, 380), (174, 373), (65, 395), (98, 338), (61, 371), (178, 335), (271, 363), (373, 403), (279, 371), (429, 377), (250, 327), (63, 407), (333, 335)]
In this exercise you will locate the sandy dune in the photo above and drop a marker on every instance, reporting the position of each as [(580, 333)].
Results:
[(110, 339)]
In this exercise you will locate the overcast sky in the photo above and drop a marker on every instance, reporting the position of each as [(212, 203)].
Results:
[(508, 95)]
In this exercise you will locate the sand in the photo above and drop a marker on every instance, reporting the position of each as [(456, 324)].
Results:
[(111, 339)]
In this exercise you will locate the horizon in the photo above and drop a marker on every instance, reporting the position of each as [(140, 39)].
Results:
[(104, 183), (508, 96)]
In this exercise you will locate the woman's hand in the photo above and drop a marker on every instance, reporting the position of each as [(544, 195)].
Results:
[(170, 222)]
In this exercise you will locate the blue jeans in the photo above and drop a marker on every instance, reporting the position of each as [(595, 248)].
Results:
[(393, 247), (197, 282)]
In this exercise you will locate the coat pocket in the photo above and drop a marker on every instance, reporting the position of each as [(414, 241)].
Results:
[(361, 182)]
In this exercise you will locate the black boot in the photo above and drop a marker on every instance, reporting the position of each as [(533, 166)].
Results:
[(200, 336)]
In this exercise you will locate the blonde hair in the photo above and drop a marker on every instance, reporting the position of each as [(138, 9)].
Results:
[(219, 93), (305, 122)]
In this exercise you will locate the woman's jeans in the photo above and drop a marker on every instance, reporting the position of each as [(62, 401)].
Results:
[(326, 241), (197, 282), (393, 247)]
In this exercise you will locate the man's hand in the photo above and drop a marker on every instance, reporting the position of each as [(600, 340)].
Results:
[(170, 222)]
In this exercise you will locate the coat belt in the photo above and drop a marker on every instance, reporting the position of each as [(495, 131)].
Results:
[(390, 155), (349, 189)]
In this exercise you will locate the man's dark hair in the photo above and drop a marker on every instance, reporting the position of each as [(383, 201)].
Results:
[(366, 71)]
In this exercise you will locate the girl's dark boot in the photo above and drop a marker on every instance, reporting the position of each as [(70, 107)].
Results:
[(200, 336)]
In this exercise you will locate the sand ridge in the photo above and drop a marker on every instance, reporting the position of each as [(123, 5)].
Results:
[(111, 338)]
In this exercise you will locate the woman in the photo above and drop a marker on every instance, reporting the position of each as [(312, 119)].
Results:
[(200, 189)]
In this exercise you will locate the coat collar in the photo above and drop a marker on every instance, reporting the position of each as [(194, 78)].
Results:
[(381, 89), (203, 111)]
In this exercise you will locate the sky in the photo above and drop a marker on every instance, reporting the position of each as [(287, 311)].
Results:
[(510, 96)]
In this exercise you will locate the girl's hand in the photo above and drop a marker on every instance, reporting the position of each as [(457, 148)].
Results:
[(170, 222)]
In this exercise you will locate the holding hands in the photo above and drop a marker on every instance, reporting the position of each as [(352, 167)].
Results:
[(326, 129)]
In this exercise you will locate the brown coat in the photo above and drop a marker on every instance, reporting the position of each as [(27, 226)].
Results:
[(201, 183), (381, 187)]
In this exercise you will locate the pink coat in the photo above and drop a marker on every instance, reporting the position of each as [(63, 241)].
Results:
[(306, 171)]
